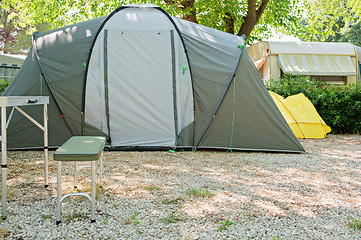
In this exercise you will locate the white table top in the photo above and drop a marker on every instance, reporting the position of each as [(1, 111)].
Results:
[(10, 101)]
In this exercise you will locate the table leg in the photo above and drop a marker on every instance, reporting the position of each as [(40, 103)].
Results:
[(58, 198), (92, 219), (46, 145), (76, 166), (3, 163), (101, 170)]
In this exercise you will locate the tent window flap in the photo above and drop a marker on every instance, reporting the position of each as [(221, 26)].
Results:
[(326, 65)]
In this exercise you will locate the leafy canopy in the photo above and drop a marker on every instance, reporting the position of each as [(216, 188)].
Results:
[(333, 20), (226, 15)]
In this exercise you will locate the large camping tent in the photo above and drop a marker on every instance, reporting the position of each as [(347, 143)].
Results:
[(145, 79)]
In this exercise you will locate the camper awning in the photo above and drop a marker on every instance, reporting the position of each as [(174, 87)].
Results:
[(326, 65)]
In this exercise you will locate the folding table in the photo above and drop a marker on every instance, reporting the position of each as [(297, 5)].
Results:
[(15, 102)]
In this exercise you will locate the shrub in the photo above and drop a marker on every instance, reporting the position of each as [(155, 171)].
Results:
[(339, 106), (3, 85), (200, 192)]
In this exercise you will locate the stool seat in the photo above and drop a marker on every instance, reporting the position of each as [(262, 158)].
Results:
[(80, 148)]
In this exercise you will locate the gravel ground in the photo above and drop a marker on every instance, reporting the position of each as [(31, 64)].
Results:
[(201, 195)]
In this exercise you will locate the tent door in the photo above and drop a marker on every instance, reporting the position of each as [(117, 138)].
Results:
[(138, 71)]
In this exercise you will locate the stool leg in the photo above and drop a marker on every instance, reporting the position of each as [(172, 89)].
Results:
[(76, 165), (101, 170), (93, 193), (58, 198)]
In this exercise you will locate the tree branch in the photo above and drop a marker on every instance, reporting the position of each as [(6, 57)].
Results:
[(261, 9), (253, 16)]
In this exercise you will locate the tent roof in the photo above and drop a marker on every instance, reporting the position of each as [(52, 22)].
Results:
[(259, 50)]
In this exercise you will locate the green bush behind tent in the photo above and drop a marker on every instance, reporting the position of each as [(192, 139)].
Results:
[(339, 106), (3, 85)]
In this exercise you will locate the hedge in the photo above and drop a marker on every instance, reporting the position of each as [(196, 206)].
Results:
[(339, 106), (3, 85)]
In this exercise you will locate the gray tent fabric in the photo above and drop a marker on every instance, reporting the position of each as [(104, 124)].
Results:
[(62, 53), (254, 118), (213, 65), (215, 97)]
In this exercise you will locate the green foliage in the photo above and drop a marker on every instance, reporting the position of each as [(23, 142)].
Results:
[(15, 35), (172, 218), (290, 85), (135, 218), (70, 218), (225, 225), (3, 85), (200, 192), (172, 201), (354, 224), (332, 21), (44, 216), (105, 221), (339, 106), (280, 15), (150, 188), (350, 32)]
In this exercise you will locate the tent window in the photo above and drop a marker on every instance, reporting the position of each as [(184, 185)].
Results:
[(337, 80)]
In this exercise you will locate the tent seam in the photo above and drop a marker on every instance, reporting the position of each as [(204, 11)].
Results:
[(46, 82), (225, 93)]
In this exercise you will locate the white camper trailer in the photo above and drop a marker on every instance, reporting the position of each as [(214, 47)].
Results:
[(334, 63), (10, 65)]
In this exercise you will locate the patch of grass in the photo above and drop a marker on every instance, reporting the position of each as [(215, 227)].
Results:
[(200, 192), (135, 219), (27, 184), (105, 221), (44, 216), (172, 218), (150, 188), (354, 224), (276, 238), (172, 201), (70, 218), (225, 225), (99, 190)]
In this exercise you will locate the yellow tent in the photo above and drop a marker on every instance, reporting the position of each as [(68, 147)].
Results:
[(301, 116)]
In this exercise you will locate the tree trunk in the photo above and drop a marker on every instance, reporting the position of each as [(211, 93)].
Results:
[(229, 23), (253, 16), (188, 6), (5, 32)]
